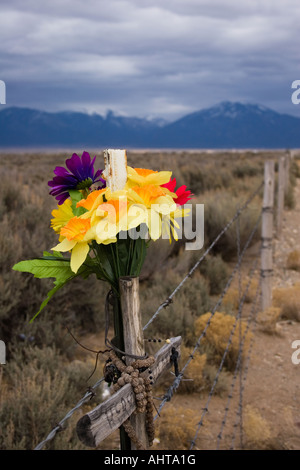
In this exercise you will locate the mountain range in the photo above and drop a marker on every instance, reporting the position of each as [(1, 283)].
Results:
[(225, 125)]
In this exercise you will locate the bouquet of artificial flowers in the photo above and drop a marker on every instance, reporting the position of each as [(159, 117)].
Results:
[(105, 232)]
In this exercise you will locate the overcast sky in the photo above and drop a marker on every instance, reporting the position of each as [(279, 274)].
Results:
[(160, 58)]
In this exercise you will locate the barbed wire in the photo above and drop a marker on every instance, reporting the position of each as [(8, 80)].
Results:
[(238, 368), (243, 382), (238, 241), (168, 395), (207, 251), (229, 342), (88, 395)]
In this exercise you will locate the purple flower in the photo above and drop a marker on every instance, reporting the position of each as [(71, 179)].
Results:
[(81, 175)]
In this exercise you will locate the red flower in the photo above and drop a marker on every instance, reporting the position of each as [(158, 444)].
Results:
[(183, 196)]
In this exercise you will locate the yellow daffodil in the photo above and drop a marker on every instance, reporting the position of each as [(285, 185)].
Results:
[(169, 223), (61, 216), (77, 237), (111, 219), (153, 203), (143, 177)]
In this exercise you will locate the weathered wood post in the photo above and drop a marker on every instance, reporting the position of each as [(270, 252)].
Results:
[(280, 194), (99, 423), (287, 172), (130, 326), (267, 235), (115, 173), (133, 340)]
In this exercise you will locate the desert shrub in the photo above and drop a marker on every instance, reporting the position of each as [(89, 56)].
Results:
[(289, 198), (178, 317), (243, 170), (177, 428), (11, 197), (215, 271), (40, 390), (257, 430), (223, 380), (231, 299), (217, 336), (195, 381), (268, 318), (219, 210), (204, 178), (157, 254), (293, 260), (295, 169), (288, 300)]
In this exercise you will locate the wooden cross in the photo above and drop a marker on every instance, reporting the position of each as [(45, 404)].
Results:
[(110, 415), (115, 171), (107, 417)]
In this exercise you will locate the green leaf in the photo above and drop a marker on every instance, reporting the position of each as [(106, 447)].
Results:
[(76, 196), (46, 267), (54, 254), (56, 267), (49, 295)]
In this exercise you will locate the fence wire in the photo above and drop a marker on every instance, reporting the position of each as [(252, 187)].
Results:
[(89, 394), (239, 411), (238, 367), (211, 392), (207, 251), (168, 395)]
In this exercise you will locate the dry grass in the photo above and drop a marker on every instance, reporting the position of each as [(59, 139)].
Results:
[(287, 299), (256, 428), (220, 330), (293, 260), (177, 428), (231, 299), (268, 318)]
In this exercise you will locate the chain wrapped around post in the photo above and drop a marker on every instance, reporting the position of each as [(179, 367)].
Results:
[(119, 374)]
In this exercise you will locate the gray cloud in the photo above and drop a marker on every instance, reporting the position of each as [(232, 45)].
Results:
[(146, 57)]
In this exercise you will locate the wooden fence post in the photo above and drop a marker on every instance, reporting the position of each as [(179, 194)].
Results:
[(115, 171), (116, 176), (287, 172), (267, 234), (280, 194), (133, 341)]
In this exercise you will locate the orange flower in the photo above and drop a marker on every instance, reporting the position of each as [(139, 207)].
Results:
[(149, 193), (76, 229), (89, 201), (144, 171)]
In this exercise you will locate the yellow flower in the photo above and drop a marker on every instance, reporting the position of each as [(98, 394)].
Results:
[(142, 177), (61, 215), (77, 237), (169, 223), (153, 203), (111, 219)]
